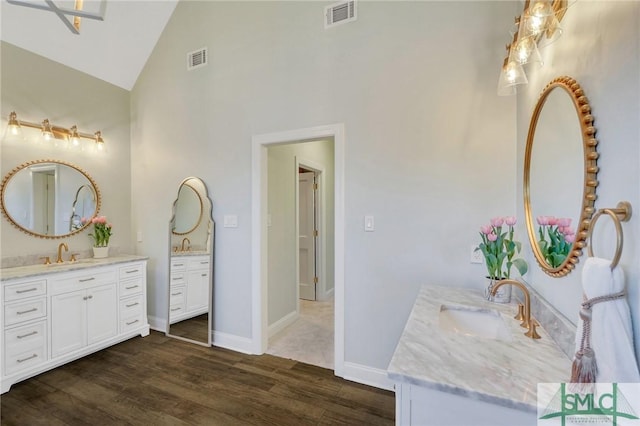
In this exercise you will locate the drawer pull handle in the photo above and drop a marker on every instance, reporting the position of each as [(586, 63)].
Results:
[(204, 263), (204, 275), (131, 287), (176, 278), (87, 279), (133, 271), (27, 311), (87, 297), (178, 264), (175, 309), (27, 335), (132, 322), (28, 358), (27, 290), (132, 304), (176, 294)]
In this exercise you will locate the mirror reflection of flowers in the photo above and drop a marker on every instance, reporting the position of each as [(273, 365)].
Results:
[(556, 238), (101, 230), (499, 248)]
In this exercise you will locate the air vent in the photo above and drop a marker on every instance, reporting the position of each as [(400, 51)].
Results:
[(197, 58), (340, 13)]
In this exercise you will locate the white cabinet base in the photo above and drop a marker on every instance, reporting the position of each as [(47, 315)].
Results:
[(420, 406), (61, 316)]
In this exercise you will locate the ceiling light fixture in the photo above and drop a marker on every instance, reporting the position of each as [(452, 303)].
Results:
[(51, 131), (64, 13)]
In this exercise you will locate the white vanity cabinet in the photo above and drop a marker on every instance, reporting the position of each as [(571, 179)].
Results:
[(61, 313), (189, 292)]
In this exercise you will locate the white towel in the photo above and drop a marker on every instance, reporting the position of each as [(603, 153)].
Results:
[(611, 335)]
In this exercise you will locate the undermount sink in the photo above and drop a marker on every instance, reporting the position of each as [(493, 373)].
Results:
[(472, 321)]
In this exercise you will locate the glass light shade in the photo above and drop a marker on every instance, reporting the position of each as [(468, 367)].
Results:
[(512, 74), (540, 21), (74, 138), (525, 51), (47, 133)]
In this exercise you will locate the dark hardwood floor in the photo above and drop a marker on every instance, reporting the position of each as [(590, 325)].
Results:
[(162, 381)]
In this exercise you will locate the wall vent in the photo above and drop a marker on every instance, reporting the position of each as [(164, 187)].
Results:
[(340, 13), (197, 58)]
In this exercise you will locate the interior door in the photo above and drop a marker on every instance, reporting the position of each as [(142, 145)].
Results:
[(306, 236)]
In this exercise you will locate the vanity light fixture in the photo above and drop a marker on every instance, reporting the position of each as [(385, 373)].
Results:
[(539, 24), (51, 131)]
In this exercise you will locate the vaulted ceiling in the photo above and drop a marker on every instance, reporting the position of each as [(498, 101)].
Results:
[(114, 49)]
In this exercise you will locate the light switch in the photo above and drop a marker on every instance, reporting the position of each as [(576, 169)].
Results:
[(368, 224), (230, 221), (139, 236), (269, 219)]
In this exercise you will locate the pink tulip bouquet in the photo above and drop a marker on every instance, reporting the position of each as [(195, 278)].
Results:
[(499, 248), (556, 238), (101, 230)]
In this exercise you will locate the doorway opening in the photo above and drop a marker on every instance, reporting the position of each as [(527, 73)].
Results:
[(271, 312), (300, 239)]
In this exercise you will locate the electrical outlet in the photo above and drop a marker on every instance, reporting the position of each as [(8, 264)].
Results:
[(476, 256)]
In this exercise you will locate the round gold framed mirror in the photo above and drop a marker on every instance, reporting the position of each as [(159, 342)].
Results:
[(188, 209), (49, 198), (560, 169)]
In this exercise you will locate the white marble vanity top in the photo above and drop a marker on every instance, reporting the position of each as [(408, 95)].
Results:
[(189, 253), (41, 269), (499, 372)]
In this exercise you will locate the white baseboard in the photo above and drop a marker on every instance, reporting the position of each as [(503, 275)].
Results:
[(233, 342), (157, 323), (328, 295), (282, 323), (367, 376)]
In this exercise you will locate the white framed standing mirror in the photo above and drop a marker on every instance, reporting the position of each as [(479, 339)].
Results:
[(191, 246)]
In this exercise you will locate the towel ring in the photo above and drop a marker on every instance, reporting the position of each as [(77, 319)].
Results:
[(621, 213)]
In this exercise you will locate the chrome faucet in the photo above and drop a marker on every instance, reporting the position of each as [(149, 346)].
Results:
[(527, 321), (60, 247), (183, 241)]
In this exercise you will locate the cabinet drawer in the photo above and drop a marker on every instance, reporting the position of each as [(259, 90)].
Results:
[(131, 287), (131, 271), (131, 307), (24, 360), (179, 264), (177, 295), (127, 324), (18, 312), (82, 281), (179, 278), (176, 311), (25, 338), (23, 290), (198, 263)]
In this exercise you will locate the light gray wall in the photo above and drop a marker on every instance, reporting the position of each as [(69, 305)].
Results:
[(282, 233), (430, 149), (37, 88), (600, 49)]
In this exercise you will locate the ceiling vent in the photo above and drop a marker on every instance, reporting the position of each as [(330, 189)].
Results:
[(197, 58), (340, 13)]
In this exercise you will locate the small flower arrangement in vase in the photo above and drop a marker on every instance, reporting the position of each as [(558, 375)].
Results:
[(101, 234), (556, 239), (499, 249)]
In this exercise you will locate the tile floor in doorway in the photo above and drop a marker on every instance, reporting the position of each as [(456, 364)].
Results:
[(310, 338)]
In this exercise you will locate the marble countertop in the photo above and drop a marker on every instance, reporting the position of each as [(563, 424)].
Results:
[(41, 269), (189, 253), (505, 373)]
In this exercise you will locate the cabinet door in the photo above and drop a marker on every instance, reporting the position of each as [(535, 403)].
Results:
[(198, 291), (68, 325), (102, 313)]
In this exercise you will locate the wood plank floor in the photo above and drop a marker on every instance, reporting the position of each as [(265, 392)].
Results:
[(162, 381)]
